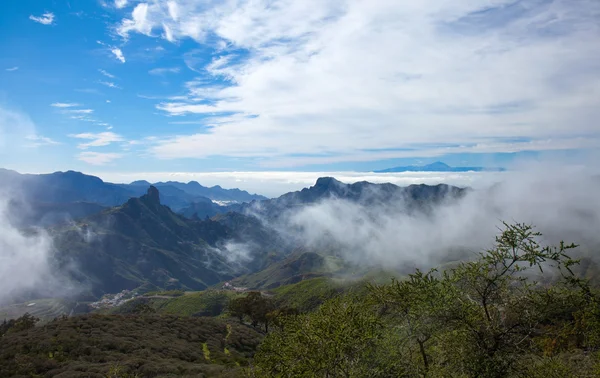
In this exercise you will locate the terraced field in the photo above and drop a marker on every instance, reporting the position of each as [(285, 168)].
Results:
[(45, 309)]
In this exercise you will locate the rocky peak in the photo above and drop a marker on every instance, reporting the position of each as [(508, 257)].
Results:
[(153, 195), (327, 182)]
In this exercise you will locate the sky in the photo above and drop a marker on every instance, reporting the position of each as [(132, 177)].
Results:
[(125, 87)]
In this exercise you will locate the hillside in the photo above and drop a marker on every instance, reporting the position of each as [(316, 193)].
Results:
[(143, 242), (47, 199), (296, 267), (149, 346)]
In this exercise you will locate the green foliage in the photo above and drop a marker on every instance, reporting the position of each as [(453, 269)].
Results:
[(340, 339), (255, 306), (165, 293), (309, 294), (204, 303), (517, 310), (128, 346), (22, 323)]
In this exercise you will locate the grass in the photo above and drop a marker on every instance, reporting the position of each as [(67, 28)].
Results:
[(44, 309)]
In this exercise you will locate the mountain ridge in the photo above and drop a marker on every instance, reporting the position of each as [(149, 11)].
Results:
[(438, 166)]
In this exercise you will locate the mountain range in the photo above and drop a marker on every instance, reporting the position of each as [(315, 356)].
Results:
[(438, 166), (143, 242), (413, 197), (111, 240), (51, 198)]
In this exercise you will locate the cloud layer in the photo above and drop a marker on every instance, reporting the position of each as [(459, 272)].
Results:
[(324, 81)]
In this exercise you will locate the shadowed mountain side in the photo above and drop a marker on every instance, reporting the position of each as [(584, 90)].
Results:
[(42, 214), (143, 241), (413, 198)]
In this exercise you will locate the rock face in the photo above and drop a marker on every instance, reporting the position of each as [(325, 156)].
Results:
[(153, 195)]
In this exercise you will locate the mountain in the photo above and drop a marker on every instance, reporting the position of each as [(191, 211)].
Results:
[(41, 214), (59, 196), (414, 197), (63, 187), (438, 166), (201, 209), (144, 242), (215, 193)]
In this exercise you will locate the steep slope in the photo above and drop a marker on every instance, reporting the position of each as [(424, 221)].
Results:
[(296, 267), (63, 187), (142, 242), (215, 193), (43, 214), (200, 209)]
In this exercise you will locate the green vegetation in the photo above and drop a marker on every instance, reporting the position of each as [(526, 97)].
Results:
[(298, 266), (517, 311), (165, 293), (120, 346)]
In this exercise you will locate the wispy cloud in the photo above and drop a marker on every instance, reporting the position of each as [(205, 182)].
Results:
[(78, 111), (109, 75), (11, 69), (462, 72), (98, 158), (65, 105), (163, 71), (109, 84), (89, 91), (118, 54), (45, 19), (97, 139), (39, 140)]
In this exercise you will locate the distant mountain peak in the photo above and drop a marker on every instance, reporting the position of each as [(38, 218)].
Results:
[(153, 195), (439, 166), (140, 182), (326, 182)]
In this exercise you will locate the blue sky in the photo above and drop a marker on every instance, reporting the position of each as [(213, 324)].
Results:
[(234, 85)]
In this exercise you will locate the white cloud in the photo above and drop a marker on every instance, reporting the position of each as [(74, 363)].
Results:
[(45, 19), (98, 158), (107, 74), (78, 111), (118, 54), (120, 4), (162, 71), (39, 140), (97, 139), (11, 69), (108, 101), (109, 84), (64, 105), (327, 77)]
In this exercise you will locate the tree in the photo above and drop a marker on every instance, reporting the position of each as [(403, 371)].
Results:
[(26, 321), (489, 317), (236, 308), (340, 339), (255, 306)]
